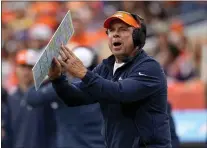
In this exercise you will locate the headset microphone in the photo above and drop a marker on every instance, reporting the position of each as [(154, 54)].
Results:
[(128, 58)]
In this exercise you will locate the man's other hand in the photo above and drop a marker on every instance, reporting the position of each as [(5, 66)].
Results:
[(72, 64), (55, 69)]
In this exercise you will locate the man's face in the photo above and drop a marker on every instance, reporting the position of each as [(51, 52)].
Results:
[(120, 39), (24, 74)]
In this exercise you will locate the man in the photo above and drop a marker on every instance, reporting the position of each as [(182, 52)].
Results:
[(30, 128), (6, 135), (130, 87), (77, 127), (175, 141)]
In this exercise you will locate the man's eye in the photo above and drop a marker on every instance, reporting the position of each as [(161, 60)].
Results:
[(124, 29), (110, 30)]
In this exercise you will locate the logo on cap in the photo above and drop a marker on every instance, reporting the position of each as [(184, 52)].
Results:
[(119, 15)]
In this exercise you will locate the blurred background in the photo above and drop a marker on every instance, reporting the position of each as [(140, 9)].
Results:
[(176, 37)]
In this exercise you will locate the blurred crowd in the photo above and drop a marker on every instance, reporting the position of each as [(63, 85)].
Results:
[(30, 25)]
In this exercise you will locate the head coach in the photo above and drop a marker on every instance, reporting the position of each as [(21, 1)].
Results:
[(129, 85)]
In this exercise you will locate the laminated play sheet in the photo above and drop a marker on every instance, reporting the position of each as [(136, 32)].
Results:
[(62, 35)]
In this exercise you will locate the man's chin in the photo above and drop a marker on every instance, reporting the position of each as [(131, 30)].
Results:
[(117, 52), (119, 55)]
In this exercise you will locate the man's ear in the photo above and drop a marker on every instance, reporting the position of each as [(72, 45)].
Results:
[(107, 31)]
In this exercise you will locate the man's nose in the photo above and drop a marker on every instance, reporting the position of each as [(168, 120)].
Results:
[(116, 34)]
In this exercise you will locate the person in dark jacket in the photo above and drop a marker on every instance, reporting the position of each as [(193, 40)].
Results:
[(77, 127), (30, 127), (130, 86), (6, 132), (174, 136)]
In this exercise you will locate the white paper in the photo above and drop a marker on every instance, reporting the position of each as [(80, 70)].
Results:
[(62, 35)]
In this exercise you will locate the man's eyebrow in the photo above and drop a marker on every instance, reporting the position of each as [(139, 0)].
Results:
[(125, 27), (121, 27)]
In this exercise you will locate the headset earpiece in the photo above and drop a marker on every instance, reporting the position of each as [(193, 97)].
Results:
[(139, 34)]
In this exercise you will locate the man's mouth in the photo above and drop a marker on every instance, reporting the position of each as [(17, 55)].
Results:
[(117, 44)]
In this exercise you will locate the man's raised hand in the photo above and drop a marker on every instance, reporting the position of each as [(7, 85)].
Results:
[(55, 69), (71, 63)]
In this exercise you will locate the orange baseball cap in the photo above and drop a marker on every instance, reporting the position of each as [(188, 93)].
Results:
[(27, 57), (123, 16)]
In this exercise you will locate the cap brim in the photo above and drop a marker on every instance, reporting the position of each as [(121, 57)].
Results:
[(109, 20), (125, 17)]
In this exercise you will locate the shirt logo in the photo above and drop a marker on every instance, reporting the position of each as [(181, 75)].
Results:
[(54, 105), (141, 74), (29, 108)]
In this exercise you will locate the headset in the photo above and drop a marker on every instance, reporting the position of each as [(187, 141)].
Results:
[(139, 34)]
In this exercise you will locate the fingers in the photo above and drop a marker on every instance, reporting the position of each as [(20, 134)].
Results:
[(63, 64), (55, 69), (66, 51), (70, 51), (68, 57), (63, 56), (69, 54), (55, 64)]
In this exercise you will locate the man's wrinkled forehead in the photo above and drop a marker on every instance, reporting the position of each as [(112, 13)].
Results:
[(119, 23)]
